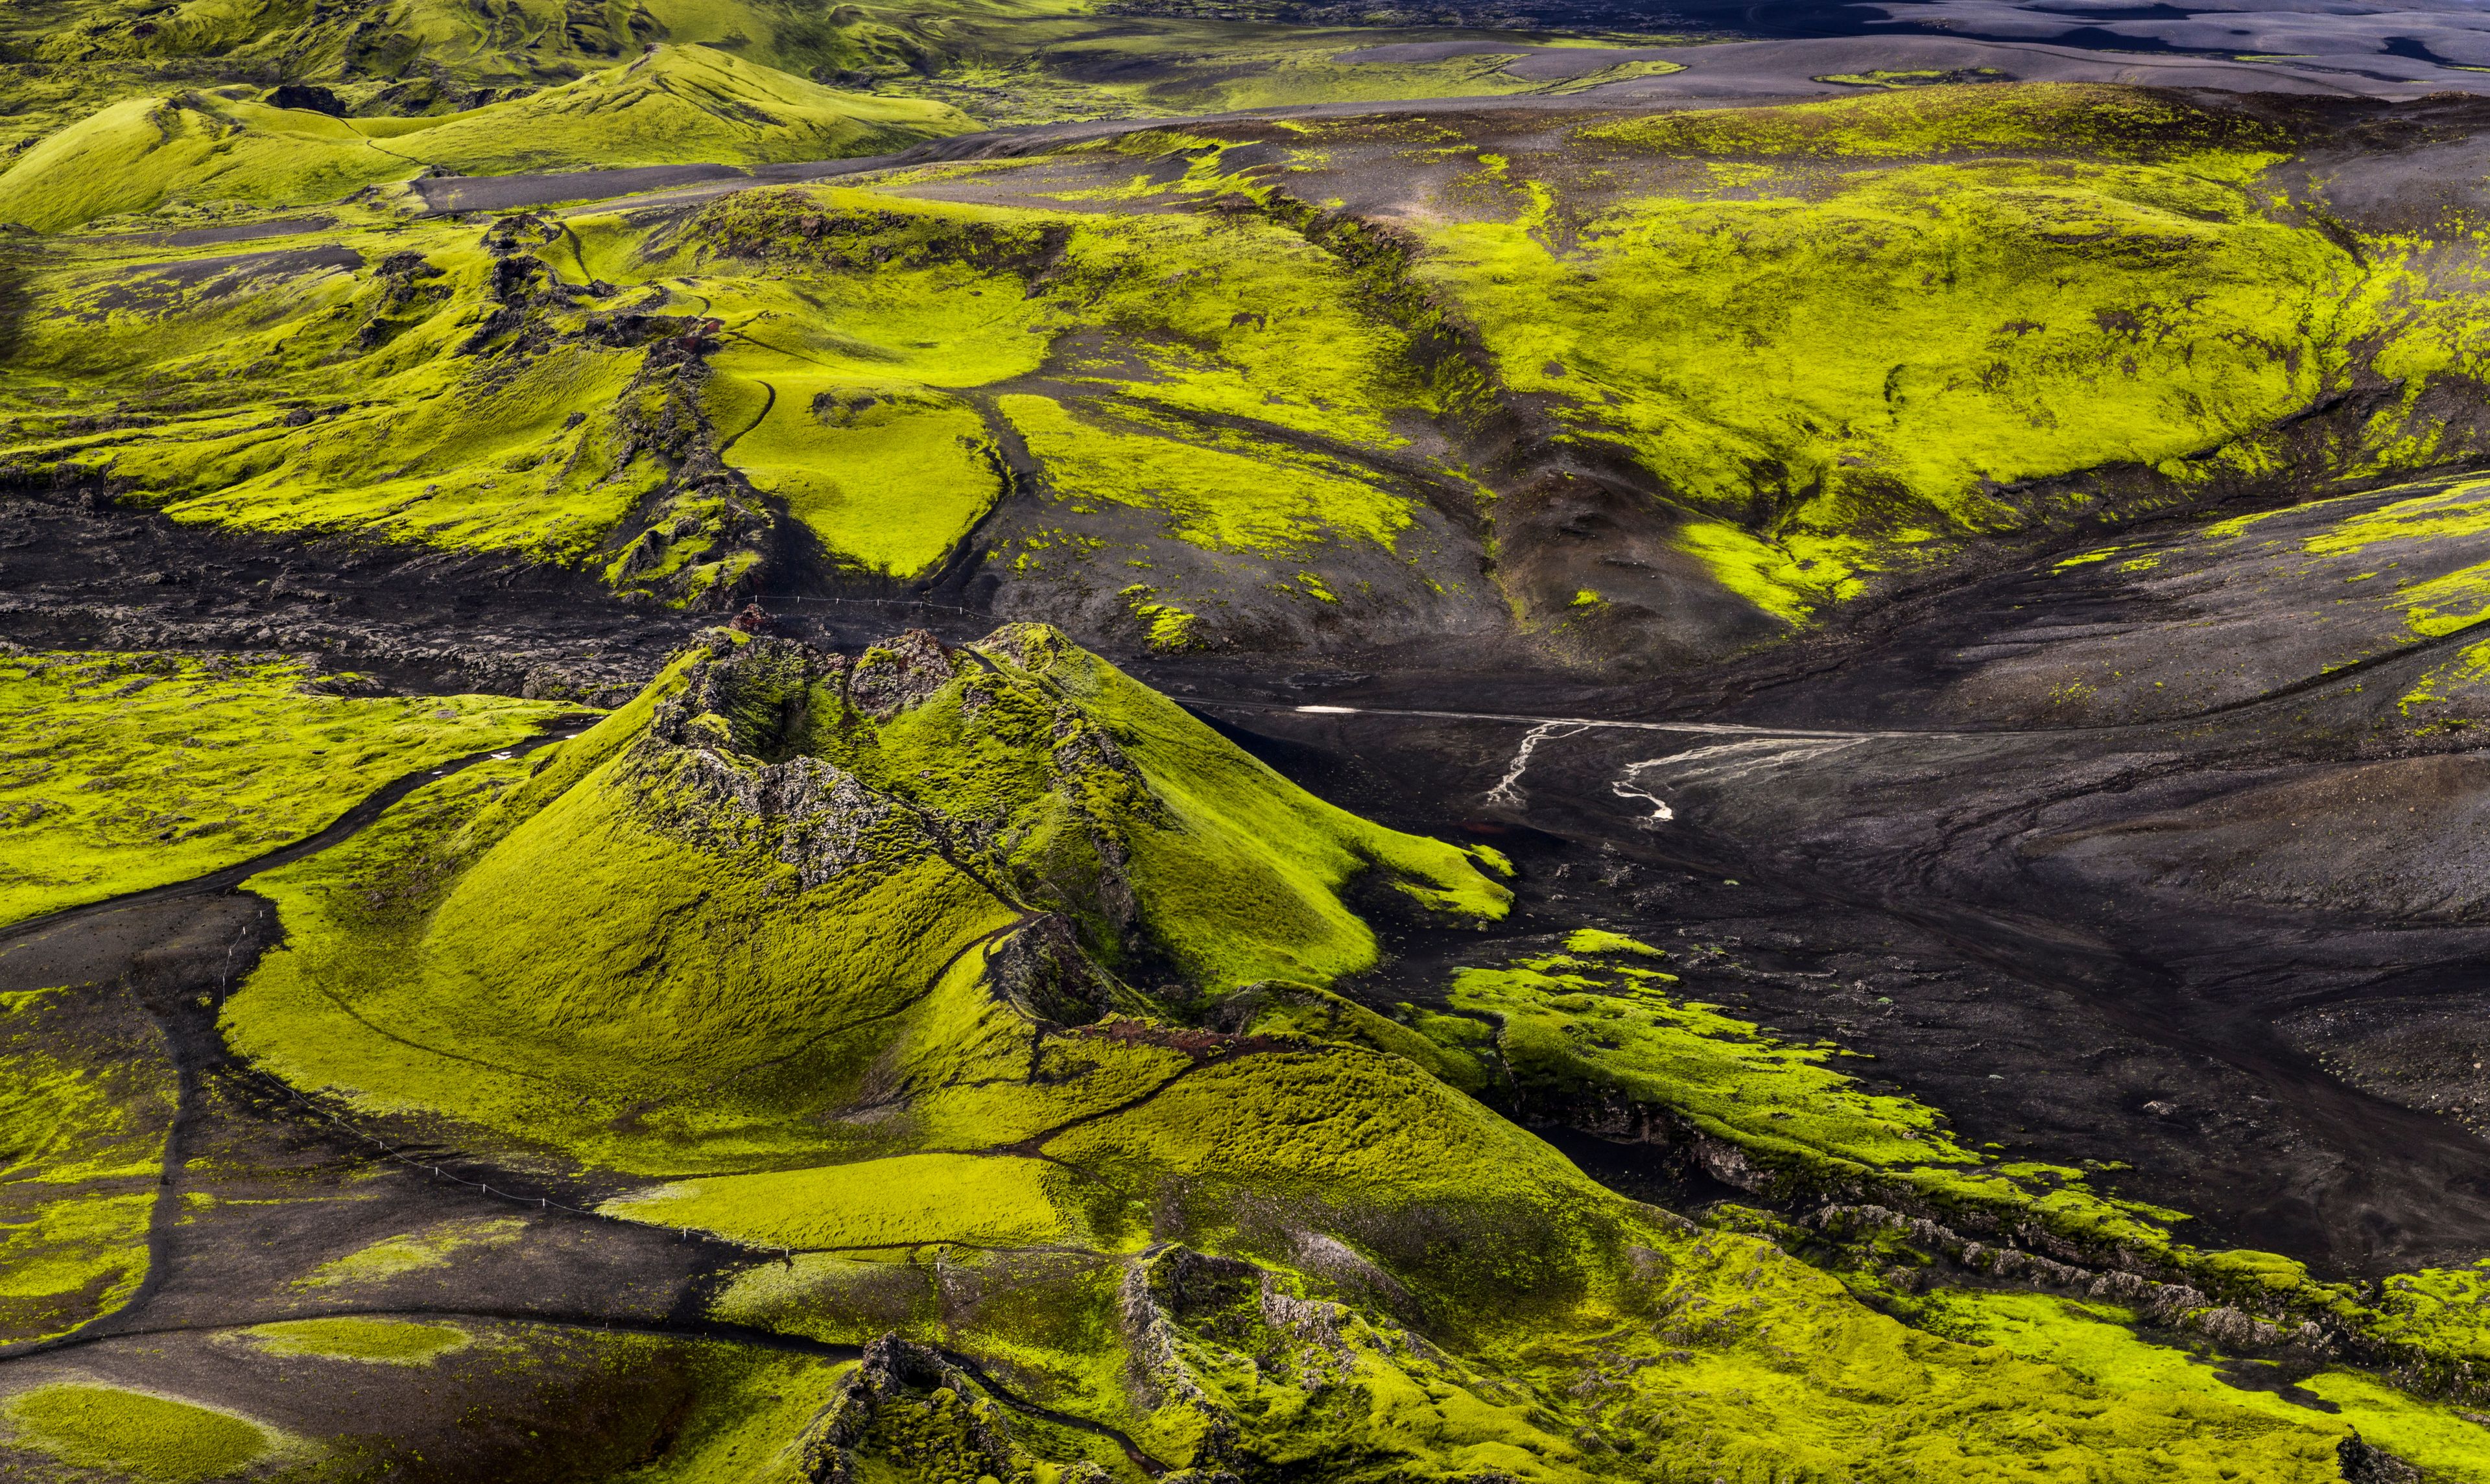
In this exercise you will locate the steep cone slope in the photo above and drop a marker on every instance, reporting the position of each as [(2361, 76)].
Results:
[(705, 919)]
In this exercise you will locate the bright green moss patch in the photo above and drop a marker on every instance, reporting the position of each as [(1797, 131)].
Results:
[(2002, 320), (391, 1256), (125, 771), (489, 411), (2444, 1311), (380, 1341), (1573, 1022), (1232, 495), (87, 1095), (2469, 670), (2097, 1343), (891, 480), (909, 1201), (750, 1404), (1595, 1023), (1594, 940), (2459, 511), (67, 1260), (134, 1435), (1346, 1117), (1593, 1026)]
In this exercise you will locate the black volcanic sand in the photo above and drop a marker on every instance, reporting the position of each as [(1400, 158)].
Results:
[(2217, 919), (2233, 940), (2142, 867), (2227, 937)]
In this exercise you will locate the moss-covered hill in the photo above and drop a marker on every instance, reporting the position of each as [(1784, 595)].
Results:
[(669, 105), (978, 1009), (1001, 61), (693, 938), (1658, 385)]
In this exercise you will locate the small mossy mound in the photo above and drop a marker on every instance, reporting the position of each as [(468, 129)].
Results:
[(378, 1341), (134, 1435), (823, 858)]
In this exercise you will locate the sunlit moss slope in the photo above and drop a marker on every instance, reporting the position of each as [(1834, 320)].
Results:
[(125, 771), (816, 861), (1662, 387), (86, 1105), (642, 394), (982, 992), (443, 386), (1851, 337), (1003, 61), (671, 106), (1592, 1033)]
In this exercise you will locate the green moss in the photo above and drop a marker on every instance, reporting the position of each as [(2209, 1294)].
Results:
[(87, 1095), (674, 104), (1979, 303), (1594, 940), (749, 1407), (2095, 1343), (461, 955), (380, 1341), (838, 1298), (1593, 1025), (1915, 78), (120, 772), (133, 1434), (1571, 1023), (910, 1201), (2056, 117), (2459, 509), (1319, 1014), (223, 373), (390, 1256), (1251, 496), (892, 479)]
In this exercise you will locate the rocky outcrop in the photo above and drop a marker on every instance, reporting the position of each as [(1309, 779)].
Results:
[(899, 674), (950, 1415)]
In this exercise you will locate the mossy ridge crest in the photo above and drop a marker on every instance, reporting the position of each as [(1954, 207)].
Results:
[(814, 848), (670, 106)]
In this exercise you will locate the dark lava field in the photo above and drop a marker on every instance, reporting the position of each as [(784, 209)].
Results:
[(1030, 742)]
